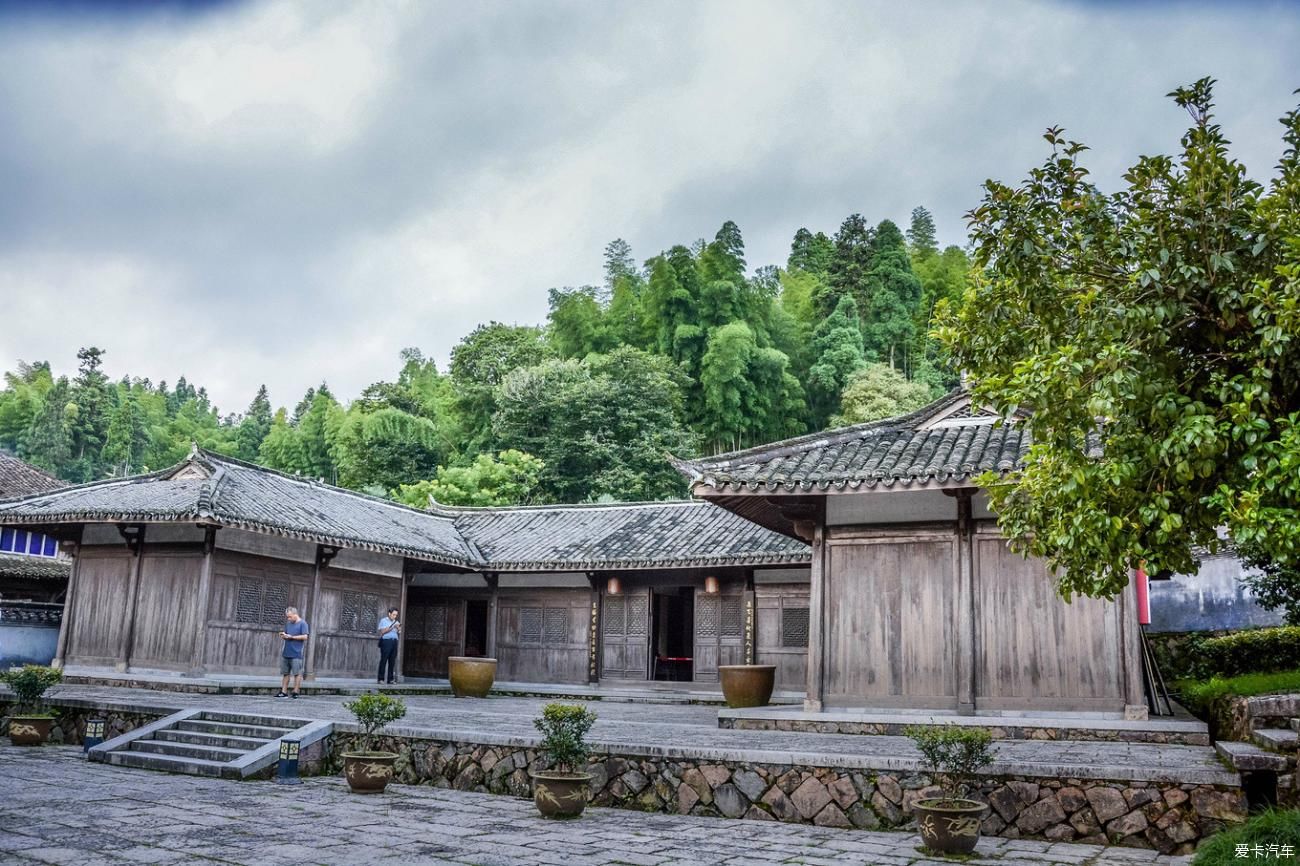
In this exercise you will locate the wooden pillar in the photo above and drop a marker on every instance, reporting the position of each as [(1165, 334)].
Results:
[(135, 541), (814, 697), (965, 625), (407, 576), (69, 600), (198, 655), (1135, 700), (324, 554), (750, 636), (492, 580)]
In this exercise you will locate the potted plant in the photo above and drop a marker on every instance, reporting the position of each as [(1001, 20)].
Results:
[(561, 792), (747, 685), (369, 772), (953, 754), (471, 677), (30, 722)]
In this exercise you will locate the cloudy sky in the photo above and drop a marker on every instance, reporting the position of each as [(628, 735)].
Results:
[(284, 193)]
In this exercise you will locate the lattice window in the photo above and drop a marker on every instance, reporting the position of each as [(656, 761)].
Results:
[(530, 625), (413, 627), (435, 624), (637, 608), (248, 605), (274, 600), (614, 623), (794, 627), (557, 625), (706, 616), (349, 610), (369, 612), (733, 620)]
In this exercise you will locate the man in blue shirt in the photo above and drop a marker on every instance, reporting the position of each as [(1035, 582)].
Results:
[(389, 631), (295, 637)]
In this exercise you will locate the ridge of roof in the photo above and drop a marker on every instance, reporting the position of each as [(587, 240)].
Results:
[(457, 510), (824, 438)]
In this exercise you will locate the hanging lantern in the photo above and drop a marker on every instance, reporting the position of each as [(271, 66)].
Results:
[(614, 586), (711, 585)]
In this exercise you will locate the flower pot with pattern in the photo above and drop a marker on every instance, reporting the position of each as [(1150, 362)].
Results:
[(949, 826), (368, 772), (561, 795), (30, 730)]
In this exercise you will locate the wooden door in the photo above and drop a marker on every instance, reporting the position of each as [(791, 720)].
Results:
[(433, 632), (625, 635), (719, 633)]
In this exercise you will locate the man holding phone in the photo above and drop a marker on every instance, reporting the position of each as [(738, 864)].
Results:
[(291, 661), (389, 631)]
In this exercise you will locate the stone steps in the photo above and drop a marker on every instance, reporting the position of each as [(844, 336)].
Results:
[(167, 763), (189, 750), (260, 732), (1276, 739), (1247, 757), (1295, 724), (222, 741)]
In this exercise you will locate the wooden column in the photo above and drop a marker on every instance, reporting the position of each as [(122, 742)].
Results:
[(812, 702), (324, 553), (198, 655), (407, 577), (69, 599), (492, 580), (750, 636), (135, 541), (593, 632), (1135, 700), (965, 625)]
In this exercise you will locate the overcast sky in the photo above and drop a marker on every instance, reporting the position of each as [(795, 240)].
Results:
[(286, 193)]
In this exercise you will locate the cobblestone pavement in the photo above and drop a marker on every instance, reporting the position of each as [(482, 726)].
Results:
[(57, 808), (687, 727)]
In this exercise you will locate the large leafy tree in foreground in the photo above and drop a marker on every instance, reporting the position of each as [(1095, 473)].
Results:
[(1151, 337)]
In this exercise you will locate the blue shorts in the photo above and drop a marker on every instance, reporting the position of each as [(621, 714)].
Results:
[(290, 667)]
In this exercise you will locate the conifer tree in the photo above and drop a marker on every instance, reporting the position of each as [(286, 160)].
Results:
[(849, 266), (837, 348), (921, 234)]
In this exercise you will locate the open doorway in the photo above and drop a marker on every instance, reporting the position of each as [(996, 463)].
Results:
[(673, 632), (476, 627)]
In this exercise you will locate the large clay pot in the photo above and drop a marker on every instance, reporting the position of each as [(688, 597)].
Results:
[(471, 677), (747, 685), (368, 772), (560, 795), (29, 730), (949, 826)]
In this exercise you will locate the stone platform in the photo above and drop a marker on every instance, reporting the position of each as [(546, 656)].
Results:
[(1182, 729), (67, 811), (673, 758)]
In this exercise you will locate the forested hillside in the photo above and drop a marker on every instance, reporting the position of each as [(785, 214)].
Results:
[(690, 352)]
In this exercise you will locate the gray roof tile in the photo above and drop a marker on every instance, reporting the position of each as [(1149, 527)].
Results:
[(18, 478), (909, 450)]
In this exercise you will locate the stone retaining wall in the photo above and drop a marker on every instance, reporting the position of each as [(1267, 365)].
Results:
[(999, 732), (1168, 817), (70, 722)]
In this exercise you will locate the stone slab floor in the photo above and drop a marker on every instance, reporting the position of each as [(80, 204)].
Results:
[(685, 727), (57, 808)]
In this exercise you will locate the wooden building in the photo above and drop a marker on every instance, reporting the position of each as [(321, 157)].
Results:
[(916, 600), (190, 569), (31, 567)]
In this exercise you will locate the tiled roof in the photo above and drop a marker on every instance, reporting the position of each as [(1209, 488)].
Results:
[(621, 536), (17, 565), (18, 478), (946, 442), (209, 487)]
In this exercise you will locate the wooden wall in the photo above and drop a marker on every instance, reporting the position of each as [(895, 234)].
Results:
[(781, 632), (900, 631), (542, 635), (433, 632), (246, 611), (167, 609), (96, 612), (346, 625)]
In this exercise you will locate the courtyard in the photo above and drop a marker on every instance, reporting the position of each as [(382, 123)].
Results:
[(57, 808)]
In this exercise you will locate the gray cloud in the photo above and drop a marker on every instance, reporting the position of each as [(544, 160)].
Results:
[(285, 193)]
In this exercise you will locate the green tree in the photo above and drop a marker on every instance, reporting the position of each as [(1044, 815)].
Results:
[(810, 253), (47, 442), (578, 323), (87, 415), (1150, 336), (509, 478), (601, 425), (749, 394), (879, 391), (377, 451), (254, 426), (921, 238), (479, 364), (127, 438), (837, 346), (850, 264), (895, 293), (22, 400)]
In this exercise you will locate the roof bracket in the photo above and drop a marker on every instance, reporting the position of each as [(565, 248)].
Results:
[(133, 535), (325, 554)]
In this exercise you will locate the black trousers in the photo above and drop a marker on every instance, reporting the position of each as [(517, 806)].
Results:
[(388, 657)]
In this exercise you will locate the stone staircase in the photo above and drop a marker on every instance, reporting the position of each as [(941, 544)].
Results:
[(201, 743), (1268, 760)]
